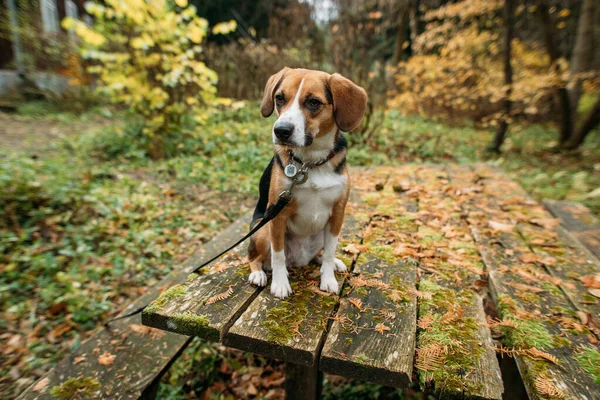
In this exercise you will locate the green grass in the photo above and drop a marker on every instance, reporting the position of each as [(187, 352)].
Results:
[(86, 227)]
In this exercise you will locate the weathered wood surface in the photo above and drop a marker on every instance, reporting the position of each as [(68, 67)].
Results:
[(579, 221), (293, 329), (537, 319), (575, 217), (455, 353), (303, 383), (373, 334), (208, 303), (556, 251), (141, 354)]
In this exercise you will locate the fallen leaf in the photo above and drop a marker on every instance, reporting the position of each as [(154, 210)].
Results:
[(591, 281), (594, 292), (381, 328), (500, 226), (141, 329), (546, 223), (351, 248), (41, 385), (77, 360), (252, 390), (106, 359), (529, 258)]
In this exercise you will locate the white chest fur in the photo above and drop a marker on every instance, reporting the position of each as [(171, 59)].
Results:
[(315, 200)]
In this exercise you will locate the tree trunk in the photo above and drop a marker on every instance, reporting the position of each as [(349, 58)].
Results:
[(582, 53), (508, 76), (592, 121), (414, 17), (566, 123), (401, 35)]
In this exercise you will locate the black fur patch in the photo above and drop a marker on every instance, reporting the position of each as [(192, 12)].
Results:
[(328, 95), (308, 139), (340, 167), (340, 144), (263, 189)]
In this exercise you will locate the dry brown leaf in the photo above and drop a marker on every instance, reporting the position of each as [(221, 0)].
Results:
[(106, 359), (382, 328), (77, 360), (220, 296), (500, 226), (547, 223), (525, 288), (546, 387), (594, 292), (141, 329), (41, 385), (356, 302), (251, 390), (351, 249), (529, 258), (591, 281)]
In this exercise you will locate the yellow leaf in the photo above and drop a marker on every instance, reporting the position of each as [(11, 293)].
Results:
[(182, 3)]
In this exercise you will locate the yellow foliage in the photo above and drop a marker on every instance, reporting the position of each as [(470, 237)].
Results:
[(458, 67), (147, 56)]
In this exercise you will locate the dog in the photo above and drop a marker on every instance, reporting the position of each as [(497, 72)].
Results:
[(313, 107)]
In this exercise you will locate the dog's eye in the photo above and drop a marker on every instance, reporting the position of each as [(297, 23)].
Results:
[(313, 103), (279, 100)]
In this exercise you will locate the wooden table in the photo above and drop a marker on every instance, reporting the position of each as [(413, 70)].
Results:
[(421, 242)]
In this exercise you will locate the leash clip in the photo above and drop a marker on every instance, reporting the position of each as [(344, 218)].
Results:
[(286, 195)]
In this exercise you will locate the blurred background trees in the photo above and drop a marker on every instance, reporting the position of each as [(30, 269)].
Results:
[(438, 58)]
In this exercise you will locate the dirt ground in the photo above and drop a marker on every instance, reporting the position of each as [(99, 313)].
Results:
[(31, 134)]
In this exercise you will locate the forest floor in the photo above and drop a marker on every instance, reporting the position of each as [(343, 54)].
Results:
[(88, 223)]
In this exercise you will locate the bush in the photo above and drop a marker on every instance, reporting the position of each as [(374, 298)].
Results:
[(148, 58), (457, 71)]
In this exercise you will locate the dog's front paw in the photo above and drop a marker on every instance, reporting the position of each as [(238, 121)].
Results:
[(280, 286), (328, 282), (258, 278), (339, 265)]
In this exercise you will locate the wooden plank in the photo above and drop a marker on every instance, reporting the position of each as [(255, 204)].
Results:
[(207, 304), (455, 352), (536, 316), (574, 217), (293, 329), (373, 334), (560, 254), (303, 383), (141, 355)]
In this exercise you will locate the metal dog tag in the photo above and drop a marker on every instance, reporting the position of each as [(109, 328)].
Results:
[(290, 170)]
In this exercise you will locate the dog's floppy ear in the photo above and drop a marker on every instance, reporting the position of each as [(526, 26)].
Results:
[(267, 106), (349, 102)]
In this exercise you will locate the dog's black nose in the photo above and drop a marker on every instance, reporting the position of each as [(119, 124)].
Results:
[(283, 130)]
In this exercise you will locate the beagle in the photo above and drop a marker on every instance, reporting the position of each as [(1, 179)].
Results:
[(312, 108)]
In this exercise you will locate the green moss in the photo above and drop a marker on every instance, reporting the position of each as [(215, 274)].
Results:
[(282, 321), (528, 333), (398, 292), (189, 322), (589, 359), (384, 253), (528, 297), (82, 386), (348, 341), (449, 326), (168, 295), (560, 341), (361, 359), (192, 277), (552, 289)]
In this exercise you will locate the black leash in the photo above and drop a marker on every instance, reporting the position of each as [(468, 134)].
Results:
[(274, 209)]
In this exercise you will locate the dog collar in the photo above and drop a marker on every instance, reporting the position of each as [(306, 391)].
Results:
[(311, 165)]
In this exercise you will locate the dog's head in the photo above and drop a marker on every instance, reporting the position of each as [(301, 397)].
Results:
[(310, 104)]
